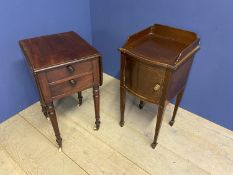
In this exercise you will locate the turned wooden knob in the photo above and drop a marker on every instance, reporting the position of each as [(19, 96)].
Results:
[(157, 87), (70, 69), (72, 82)]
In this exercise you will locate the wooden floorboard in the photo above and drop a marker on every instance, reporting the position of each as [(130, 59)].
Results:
[(34, 153), (7, 165), (192, 146), (133, 144), (192, 137), (87, 151)]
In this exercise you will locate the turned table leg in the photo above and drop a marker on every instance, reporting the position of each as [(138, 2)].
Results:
[(158, 125), (122, 105), (141, 104), (53, 118), (44, 110), (80, 98), (178, 100), (97, 106)]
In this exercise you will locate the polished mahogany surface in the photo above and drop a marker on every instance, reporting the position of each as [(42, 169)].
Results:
[(155, 64), (63, 64), (160, 44), (51, 50)]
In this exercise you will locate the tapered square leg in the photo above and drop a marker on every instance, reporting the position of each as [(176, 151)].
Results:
[(80, 98), (53, 118), (122, 91), (122, 105), (141, 104), (178, 100), (158, 125), (97, 107)]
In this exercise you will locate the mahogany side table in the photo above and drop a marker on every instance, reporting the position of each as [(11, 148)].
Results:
[(155, 65), (63, 64)]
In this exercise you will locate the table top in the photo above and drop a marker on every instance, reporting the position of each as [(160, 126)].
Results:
[(161, 44), (57, 49)]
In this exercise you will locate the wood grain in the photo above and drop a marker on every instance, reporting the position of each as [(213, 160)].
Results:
[(32, 151), (192, 137), (134, 146), (193, 146), (62, 64), (51, 50), (8, 165), (196, 139), (89, 152)]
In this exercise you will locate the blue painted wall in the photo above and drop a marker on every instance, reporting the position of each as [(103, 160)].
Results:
[(209, 92), (26, 18), (111, 23)]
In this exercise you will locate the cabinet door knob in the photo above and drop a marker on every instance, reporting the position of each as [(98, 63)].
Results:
[(157, 87), (72, 82), (70, 69)]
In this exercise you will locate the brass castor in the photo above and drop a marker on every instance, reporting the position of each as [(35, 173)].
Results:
[(122, 123), (59, 142), (97, 126)]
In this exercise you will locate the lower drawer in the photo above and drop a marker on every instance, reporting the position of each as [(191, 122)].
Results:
[(71, 86)]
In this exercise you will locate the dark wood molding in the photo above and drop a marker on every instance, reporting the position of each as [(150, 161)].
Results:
[(63, 64), (155, 64)]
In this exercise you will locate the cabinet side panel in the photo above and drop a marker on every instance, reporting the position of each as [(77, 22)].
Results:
[(131, 74), (97, 76), (179, 78), (101, 71), (44, 87)]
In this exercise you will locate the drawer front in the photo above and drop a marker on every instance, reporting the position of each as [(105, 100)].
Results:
[(144, 80), (68, 71), (71, 86)]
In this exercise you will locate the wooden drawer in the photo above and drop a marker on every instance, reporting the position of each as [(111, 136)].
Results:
[(144, 80), (63, 72), (71, 86)]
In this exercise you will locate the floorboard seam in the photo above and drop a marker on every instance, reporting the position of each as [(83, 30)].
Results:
[(112, 147), (53, 143), (130, 127), (14, 160), (135, 130), (111, 88), (95, 137)]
